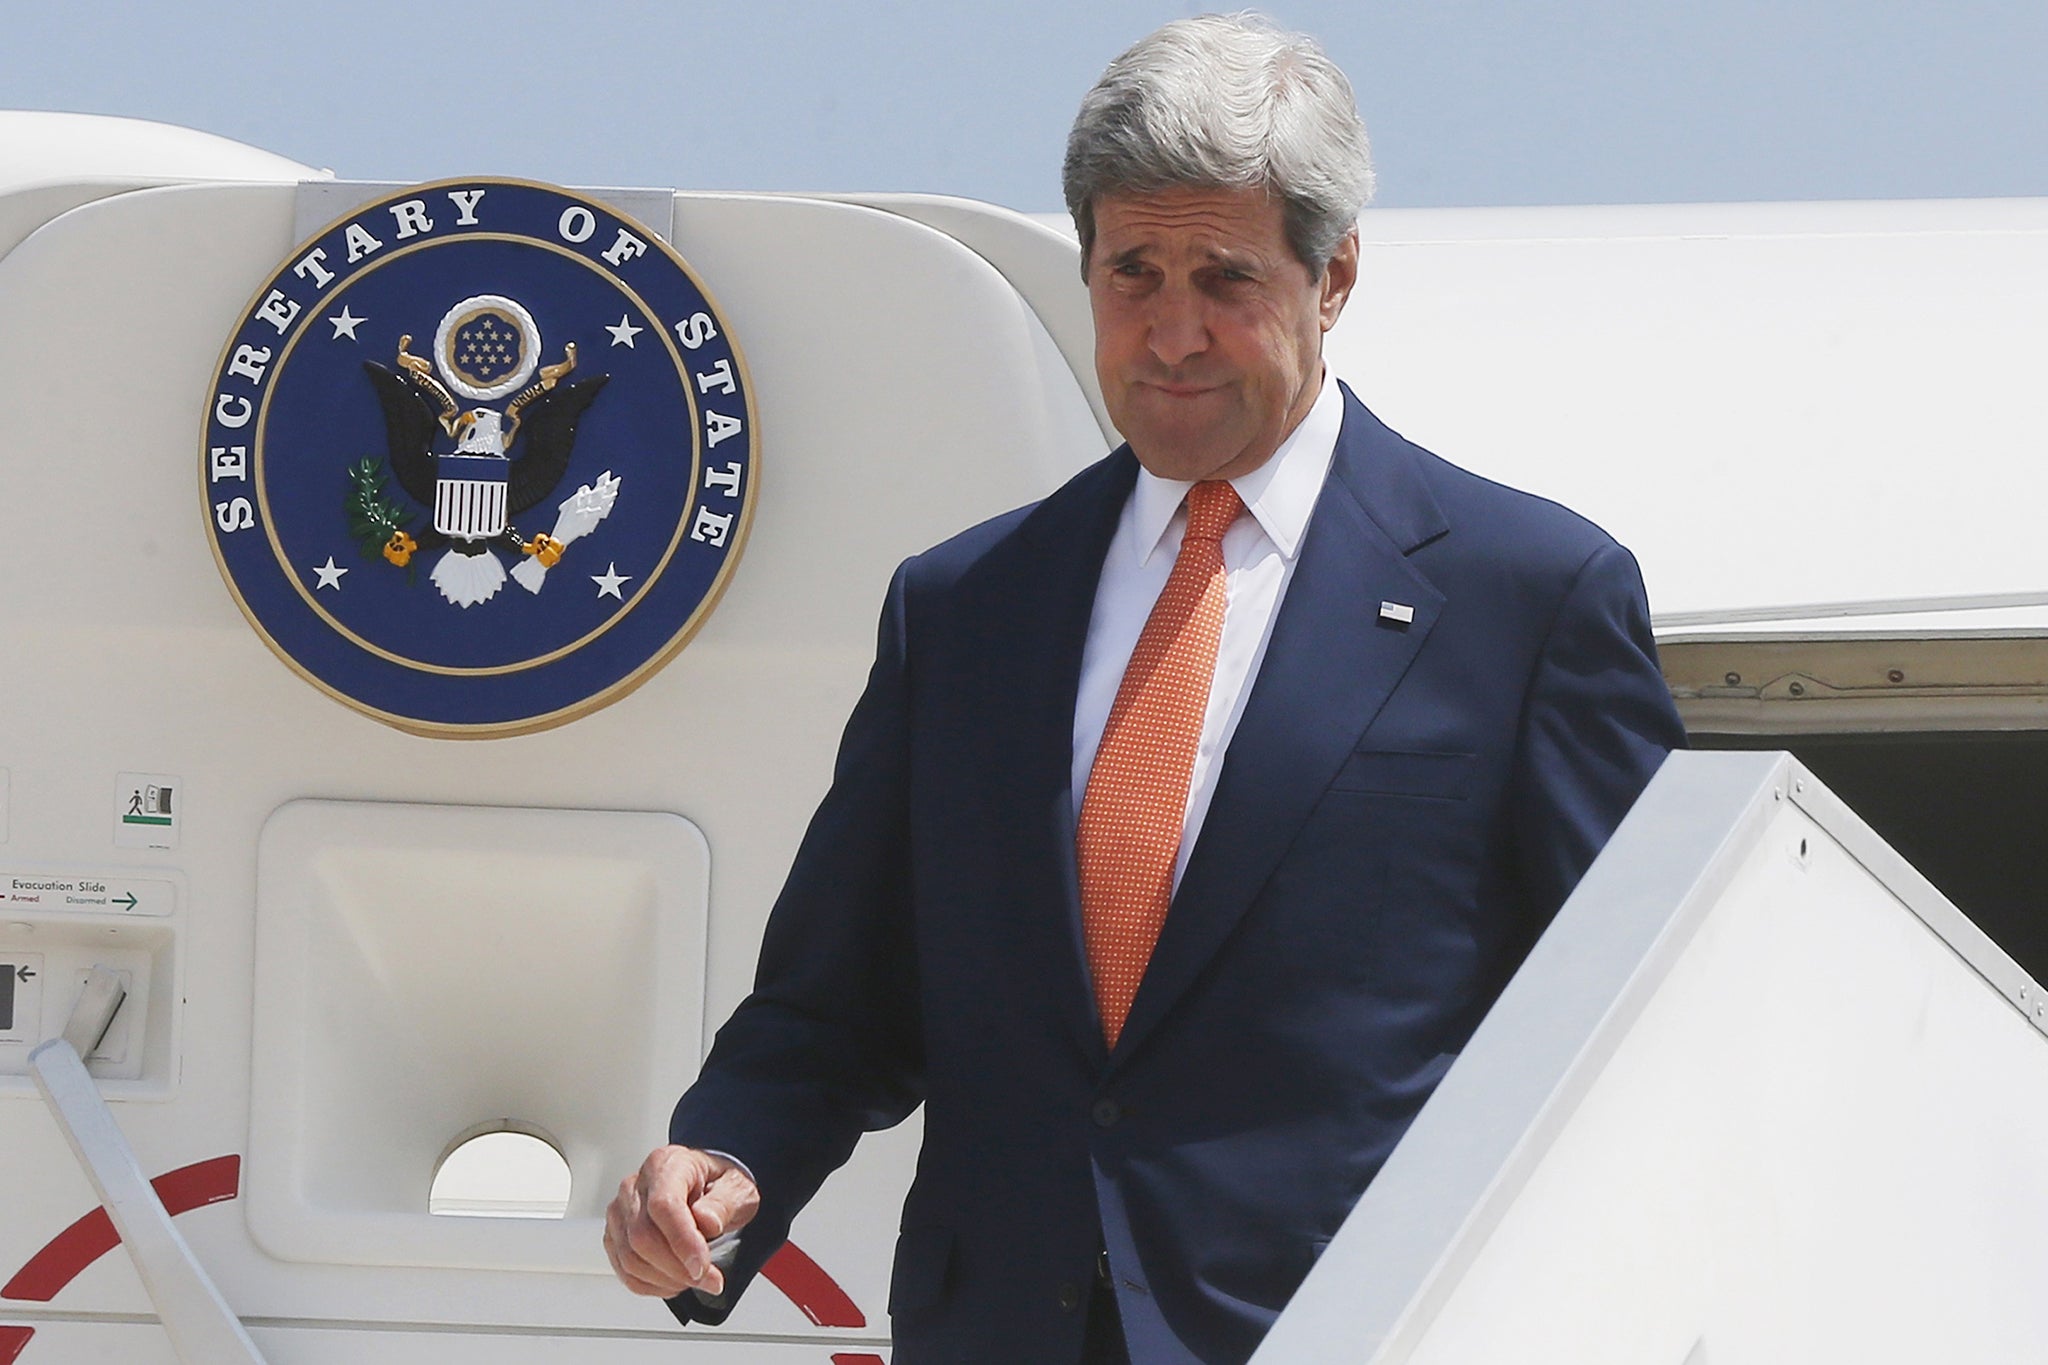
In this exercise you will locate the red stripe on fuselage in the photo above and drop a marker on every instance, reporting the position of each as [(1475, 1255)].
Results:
[(802, 1280), (93, 1236), (814, 1292)]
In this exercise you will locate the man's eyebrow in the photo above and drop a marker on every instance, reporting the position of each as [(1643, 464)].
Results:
[(1227, 258)]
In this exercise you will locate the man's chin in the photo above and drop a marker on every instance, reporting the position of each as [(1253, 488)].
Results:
[(1182, 435), (1189, 459)]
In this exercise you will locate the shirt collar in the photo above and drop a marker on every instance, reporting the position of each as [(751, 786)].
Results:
[(1280, 494)]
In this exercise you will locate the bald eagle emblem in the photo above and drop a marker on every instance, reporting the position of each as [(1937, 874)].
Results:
[(469, 472), (372, 477)]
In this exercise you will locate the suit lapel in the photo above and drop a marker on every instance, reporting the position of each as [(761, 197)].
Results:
[(1330, 666), (1047, 596)]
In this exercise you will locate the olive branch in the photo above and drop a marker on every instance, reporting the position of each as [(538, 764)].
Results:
[(373, 518)]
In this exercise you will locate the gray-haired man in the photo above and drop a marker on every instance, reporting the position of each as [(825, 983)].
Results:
[(1193, 817)]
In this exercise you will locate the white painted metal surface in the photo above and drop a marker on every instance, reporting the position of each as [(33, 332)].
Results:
[(53, 162), (38, 147), (1773, 404), (1760, 1095), (425, 971)]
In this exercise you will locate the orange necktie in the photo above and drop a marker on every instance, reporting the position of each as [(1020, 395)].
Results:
[(1137, 794)]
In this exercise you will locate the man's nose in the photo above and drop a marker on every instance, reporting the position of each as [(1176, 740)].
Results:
[(1178, 327)]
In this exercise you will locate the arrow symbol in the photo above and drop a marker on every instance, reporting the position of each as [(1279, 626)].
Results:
[(24, 973), (127, 901)]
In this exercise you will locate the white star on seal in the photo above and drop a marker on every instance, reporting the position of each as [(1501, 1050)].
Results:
[(345, 325), (623, 334), (609, 582), (329, 573)]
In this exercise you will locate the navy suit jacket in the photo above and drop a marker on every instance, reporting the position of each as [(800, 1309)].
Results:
[(1401, 811)]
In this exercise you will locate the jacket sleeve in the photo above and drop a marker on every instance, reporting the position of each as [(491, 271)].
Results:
[(827, 1046), (1597, 723)]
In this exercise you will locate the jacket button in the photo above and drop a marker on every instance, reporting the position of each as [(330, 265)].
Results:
[(1107, 1113), (1070, 1297)]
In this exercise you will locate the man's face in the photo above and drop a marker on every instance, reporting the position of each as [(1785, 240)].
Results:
[(1208, 328)]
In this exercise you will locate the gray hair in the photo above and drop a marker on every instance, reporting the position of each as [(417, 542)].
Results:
[(1225, 102)]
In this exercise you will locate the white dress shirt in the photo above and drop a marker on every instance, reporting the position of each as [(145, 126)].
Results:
[(1259, 554)]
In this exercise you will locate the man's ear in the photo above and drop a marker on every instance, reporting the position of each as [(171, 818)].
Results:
[(1338, 277)]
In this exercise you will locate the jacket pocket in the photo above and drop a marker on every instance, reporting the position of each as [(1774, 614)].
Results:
[(1390, 772), (917, 1285)]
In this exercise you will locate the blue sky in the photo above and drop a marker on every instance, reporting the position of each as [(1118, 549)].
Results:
[(1468, 101)]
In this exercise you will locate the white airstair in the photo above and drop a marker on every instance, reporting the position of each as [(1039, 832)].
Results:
[(1760, 1095)]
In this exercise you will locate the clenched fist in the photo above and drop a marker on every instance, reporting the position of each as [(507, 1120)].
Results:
[(658, 1231)]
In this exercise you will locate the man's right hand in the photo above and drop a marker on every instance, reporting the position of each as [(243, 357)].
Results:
[(657, 1232)]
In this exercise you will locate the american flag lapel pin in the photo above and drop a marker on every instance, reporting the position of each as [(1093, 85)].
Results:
[(1397, 614)]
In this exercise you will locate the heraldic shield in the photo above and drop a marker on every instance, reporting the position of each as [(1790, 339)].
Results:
[(513, 524), (469, 495)]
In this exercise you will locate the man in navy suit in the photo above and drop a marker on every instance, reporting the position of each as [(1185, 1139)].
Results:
[(1386, 714)]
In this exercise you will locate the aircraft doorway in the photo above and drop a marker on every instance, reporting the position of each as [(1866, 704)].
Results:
[(1966, 809)]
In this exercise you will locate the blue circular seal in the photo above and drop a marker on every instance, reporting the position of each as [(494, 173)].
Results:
[(479, 457)]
